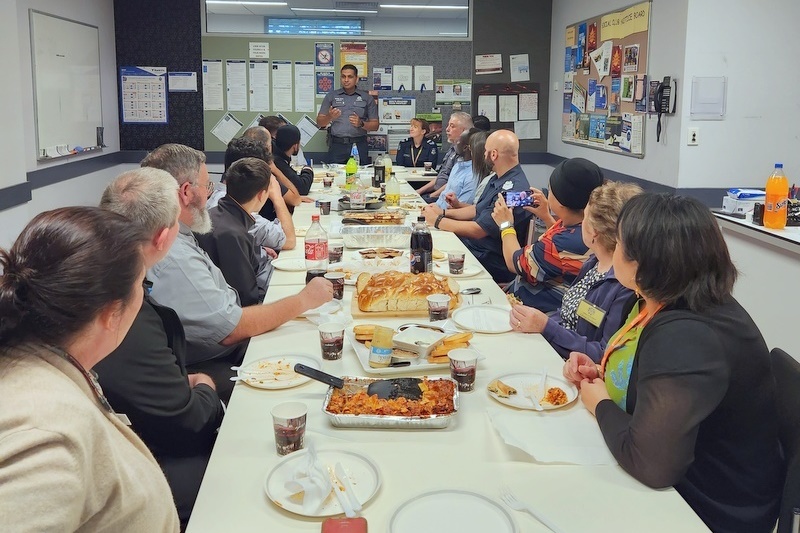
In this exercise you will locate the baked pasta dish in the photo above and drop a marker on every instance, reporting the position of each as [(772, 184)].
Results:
[(437, 399), (555, 396)]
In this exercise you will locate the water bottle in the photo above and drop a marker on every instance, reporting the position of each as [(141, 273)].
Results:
[(358, 194), (421, 247), (316, 249), (777, 198), (351, 168), (392, 192), (380, 172)]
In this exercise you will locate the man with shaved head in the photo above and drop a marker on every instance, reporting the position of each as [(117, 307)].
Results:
[(474, 223)]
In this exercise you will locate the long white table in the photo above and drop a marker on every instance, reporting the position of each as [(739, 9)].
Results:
[(467, 455)]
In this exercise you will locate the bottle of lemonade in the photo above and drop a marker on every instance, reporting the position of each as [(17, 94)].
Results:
[(351, 168), (776, 201)]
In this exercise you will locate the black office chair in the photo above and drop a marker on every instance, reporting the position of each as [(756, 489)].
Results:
[(786, 370)]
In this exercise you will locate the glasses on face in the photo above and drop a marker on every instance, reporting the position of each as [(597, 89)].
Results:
[(209, 187)]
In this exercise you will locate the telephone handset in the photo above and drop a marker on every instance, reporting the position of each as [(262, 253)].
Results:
[(665, 95)]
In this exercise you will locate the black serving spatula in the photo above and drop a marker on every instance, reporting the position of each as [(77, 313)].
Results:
[(385, 389)]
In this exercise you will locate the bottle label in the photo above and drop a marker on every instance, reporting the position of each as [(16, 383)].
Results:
[(379, 356), (421, 261), (316, 251)]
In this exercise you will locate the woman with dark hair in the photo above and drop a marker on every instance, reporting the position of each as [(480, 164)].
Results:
[(70, 290), (684, 394), (480, 170), (417, 150)]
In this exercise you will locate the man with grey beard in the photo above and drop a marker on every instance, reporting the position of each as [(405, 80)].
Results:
[(189, 282)]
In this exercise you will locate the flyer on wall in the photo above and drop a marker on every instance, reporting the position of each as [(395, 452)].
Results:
[(144, 95)]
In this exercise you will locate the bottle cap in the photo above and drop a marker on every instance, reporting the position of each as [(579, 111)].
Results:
[(314, 218), (778, 165)]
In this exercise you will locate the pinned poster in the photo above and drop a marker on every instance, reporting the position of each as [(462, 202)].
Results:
[(354, 53), (182, 82), (423, 77), (227, 128), (528, 106), (489, 64), (520, 68), (304, 86), (236, 84), (325, 79), (259, 50), (212, 85), (259, 85), (508, 107), (402, 78), (382, 78), (144, 95), (323, 56), (487, 106)]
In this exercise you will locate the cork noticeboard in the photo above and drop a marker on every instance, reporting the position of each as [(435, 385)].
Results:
[(606, 87)]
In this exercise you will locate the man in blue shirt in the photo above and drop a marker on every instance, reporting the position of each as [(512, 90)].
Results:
[(474, 223), (351, 113)]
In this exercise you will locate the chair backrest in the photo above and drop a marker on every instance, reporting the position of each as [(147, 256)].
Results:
[(533, 233), (786, 370)]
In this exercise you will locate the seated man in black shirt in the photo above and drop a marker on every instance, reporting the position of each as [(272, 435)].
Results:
[(287, 143), (175, 413), (229, 245)]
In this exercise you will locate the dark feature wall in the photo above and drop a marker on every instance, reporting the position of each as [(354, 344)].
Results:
[(158, 33)]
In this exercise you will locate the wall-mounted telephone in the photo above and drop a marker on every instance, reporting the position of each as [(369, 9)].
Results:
[(664, 101)]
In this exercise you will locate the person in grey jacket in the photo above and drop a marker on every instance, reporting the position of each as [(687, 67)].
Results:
[(591, 310)]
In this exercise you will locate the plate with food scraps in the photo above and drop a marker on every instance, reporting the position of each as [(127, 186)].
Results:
[(362, 472), (276, 372), (289, 264), (558, 391)]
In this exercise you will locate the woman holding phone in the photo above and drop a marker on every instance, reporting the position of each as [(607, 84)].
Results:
[(546, 268)]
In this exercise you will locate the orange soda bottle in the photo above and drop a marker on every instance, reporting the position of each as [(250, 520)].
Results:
[(777, 199)]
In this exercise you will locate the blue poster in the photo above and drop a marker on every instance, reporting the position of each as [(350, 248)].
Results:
[(325, 80), (567, 108), (323, 55), (600, 97)]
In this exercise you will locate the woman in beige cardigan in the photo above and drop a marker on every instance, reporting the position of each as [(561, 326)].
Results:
[(70, 289)]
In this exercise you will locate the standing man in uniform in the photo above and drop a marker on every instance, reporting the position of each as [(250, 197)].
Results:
[(351, 113)]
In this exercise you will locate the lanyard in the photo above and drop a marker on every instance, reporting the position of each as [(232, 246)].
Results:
[(89, 376), (413, 157), (641, 320)]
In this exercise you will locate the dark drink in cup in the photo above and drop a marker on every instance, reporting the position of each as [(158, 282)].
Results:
[(290, 439), (332, 348), (335, 252), (327, 181), (465, 377), (337, 280), (315, 273), (438, 314)]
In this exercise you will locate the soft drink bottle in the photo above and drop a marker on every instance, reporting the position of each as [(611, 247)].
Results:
[(392, 192), (316, 248), (387, 163), (380, 171), (777, 198), (358, 194), (421, 247), (351, 168)]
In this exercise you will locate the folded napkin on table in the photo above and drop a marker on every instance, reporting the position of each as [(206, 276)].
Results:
[(312, 479), (568, 435)]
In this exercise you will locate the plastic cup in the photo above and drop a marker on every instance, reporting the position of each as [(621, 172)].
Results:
[(463, 367), (331, 340), (335, 251), (324, 207), (337, 280), (327, 182), (455, 261), (289, 424), (428, 166), (438, 307)]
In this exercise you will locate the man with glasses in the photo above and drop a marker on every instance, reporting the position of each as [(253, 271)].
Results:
[(458, 123), (189, 282), (474, 223)]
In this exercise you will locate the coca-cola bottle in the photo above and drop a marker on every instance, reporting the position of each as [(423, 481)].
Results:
[(316, 250), (421, 248)]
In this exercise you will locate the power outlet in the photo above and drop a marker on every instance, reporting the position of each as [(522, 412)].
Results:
[(693, 137)]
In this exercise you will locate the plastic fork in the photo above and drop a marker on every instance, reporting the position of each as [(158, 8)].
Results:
[(508, 497), (529, 392)]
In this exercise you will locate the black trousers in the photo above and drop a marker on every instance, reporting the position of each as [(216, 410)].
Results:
[(340, 152)]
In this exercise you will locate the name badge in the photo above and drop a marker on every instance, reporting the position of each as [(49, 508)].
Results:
[(338, 101), (507, 186), (122, 417), (590, 313)]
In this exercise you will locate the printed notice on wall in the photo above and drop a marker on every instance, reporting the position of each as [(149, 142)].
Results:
[(354, 54), (259, 85), (259, 50), (144, 95), (212, 85), (489, 64), (182, 82), (236, 84), (227, 128), (520, 68), (423, 77), (304, 83), (282, 85)]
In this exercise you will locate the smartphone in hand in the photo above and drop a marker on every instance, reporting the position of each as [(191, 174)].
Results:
[(519, 198)]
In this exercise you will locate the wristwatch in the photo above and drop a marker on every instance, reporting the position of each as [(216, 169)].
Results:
[(504, 225)]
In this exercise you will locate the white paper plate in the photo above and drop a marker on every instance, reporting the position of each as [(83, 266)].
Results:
[(522, 380), (327, 307), (451, 510), (365, 477), (284, 377), (483, 318), (289, 264), (443, 269)]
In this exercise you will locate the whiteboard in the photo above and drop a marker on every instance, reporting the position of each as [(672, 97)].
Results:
[(66, 81)]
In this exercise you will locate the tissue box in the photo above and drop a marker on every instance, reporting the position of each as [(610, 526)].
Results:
[(730, 205)]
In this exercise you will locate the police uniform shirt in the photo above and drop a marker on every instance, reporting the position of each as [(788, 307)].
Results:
[(428, 152), (360, 103)]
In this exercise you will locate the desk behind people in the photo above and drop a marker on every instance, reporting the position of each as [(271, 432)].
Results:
[(351, 113)]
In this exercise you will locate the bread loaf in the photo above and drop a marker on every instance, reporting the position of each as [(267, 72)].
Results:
[(402, 291)]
